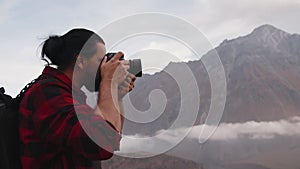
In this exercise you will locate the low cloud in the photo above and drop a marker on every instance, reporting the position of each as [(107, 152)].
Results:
[(273, 144), (225, 132), (257, 130)]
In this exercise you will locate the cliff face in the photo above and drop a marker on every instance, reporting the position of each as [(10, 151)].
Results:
[(263, 75)]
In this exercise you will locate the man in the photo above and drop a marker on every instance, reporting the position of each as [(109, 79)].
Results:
[(58, 130)]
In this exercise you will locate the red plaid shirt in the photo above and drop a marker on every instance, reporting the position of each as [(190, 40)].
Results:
[(55, 125)]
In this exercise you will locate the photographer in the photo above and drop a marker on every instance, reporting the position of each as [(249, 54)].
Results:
[(57, 128)]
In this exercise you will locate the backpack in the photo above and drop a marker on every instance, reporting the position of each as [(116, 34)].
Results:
[(9, 129)]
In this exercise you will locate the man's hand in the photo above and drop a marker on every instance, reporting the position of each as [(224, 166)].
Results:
[(114, 70), (126, 86)]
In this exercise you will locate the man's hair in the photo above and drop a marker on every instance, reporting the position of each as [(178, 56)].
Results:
[(62, 50)]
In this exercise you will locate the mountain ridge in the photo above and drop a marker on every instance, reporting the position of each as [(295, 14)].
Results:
[(266, 29), (261, 32), (258, 72)]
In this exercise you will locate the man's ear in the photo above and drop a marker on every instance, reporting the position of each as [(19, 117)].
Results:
[(81, 62)]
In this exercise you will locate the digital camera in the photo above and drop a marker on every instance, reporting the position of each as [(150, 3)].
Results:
[(135, 67)]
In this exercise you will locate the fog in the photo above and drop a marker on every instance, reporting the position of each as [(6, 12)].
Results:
[(273, 144)]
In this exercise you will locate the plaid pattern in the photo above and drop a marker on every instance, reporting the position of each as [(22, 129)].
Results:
[(55, 125)]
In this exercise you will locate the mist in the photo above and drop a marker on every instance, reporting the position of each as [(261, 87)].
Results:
[(273, 144)]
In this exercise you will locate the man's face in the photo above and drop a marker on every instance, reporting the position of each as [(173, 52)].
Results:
[(92, 65)]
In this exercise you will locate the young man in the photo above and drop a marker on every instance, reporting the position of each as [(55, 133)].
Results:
[(58, 130)]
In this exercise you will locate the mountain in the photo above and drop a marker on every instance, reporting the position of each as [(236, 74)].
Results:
[(158, 162), (262, 71), (263, 96), (263, 81)]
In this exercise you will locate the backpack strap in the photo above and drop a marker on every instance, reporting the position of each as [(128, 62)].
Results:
[(24, 90)]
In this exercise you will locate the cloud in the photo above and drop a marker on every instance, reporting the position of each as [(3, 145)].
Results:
[(273, 144), (231, 18), (255, 130), (225, 132)]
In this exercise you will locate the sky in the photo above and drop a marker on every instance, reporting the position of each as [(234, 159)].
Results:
[(26, 24)]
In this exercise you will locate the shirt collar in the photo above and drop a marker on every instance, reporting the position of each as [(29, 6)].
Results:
[(50, 72)]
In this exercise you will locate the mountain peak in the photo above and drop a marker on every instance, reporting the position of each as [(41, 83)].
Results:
[(265, 33), (267, 29)]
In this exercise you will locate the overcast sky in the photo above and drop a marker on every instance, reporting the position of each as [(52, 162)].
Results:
[(24, 24)]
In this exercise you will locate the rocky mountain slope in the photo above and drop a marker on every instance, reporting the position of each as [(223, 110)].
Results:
[(263, 81)]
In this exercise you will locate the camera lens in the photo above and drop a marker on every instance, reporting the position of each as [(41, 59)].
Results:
[(135, 67)]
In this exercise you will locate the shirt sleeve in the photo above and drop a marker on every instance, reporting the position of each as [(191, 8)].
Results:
[(65, 122)]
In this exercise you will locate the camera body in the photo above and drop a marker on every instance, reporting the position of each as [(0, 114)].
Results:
[(135, 67)]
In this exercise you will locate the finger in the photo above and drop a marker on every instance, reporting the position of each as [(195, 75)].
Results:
[(132, 77), (126, 67), (132, 83), (125, 62), (125, 84), (103, 61), (123, 89), (129, 80), (117, 56), (131, 87)]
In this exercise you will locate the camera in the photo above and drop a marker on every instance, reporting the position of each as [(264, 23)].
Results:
[(135, 67)]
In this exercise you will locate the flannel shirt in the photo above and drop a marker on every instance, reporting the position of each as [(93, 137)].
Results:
[(58, 130)]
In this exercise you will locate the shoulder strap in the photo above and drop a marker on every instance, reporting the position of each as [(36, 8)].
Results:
[(23, 91)]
